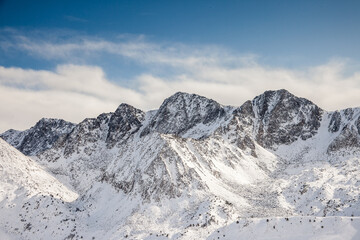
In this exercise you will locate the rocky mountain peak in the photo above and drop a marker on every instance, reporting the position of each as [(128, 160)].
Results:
[(128, 113), (123, 122), (283, 118), (180, 95), (124, 108), (40, 137), (183, 111), (269, 101), (186, 101), (53, 124), (111, 128)]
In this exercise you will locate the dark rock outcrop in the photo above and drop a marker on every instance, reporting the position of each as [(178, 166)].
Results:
[(38, 138), (282, 118)]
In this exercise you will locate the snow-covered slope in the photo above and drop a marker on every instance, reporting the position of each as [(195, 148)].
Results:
[(28, 194), (193, 166), (291, 228), (22, 174)]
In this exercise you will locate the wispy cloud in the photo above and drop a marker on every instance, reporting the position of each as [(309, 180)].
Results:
[(136, 47), (73, 92)]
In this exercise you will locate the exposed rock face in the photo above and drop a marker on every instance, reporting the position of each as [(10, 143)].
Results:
[(85, 135), (126, 120), (358, 124), (283, 118), (111, 128), (241, 128), (335, 122), (182, 111), (348, 139), (345, 124), (40, 137)]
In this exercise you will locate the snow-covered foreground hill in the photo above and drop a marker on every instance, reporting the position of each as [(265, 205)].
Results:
[(193, 169), (30, 198), (291, 228)]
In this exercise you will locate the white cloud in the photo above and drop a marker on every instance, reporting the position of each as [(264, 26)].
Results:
[(88, 80), (74, 92), (325, 85), (70, 92)]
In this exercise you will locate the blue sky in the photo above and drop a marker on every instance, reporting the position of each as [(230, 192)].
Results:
[(94, 55), (291, 33)]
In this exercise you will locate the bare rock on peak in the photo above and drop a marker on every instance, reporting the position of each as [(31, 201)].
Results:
[(183, 111)]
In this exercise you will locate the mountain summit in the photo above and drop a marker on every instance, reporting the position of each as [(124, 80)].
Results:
[(182, 111), (283, 118)]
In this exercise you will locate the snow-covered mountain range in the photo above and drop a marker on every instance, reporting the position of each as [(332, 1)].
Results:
[(274, 167)]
